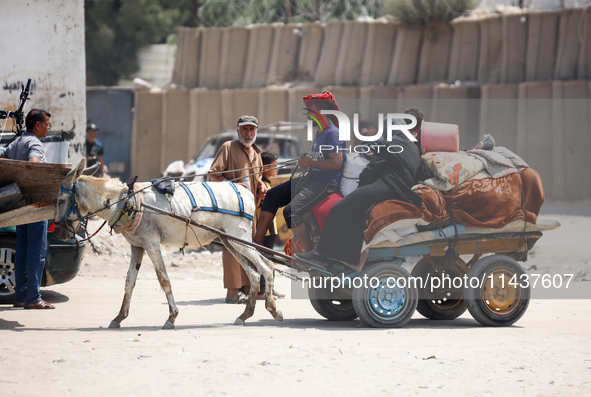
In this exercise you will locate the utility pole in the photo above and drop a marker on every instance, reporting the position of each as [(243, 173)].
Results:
[(317, 8), (288, 10), (196, 12)]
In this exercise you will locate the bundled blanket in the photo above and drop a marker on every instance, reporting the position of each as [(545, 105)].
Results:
[(476, 202)]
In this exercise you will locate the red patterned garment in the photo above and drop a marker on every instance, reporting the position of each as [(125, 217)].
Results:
[(487, 202)]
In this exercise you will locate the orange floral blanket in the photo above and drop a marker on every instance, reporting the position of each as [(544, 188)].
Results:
[(484, 202)]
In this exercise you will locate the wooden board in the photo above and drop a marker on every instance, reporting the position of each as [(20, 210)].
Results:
[(28, 214), (38, 182)]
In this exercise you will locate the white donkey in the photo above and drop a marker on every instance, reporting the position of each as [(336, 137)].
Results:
[(145, 230)]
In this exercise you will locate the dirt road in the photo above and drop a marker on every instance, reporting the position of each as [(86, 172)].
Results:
[(70, 350)]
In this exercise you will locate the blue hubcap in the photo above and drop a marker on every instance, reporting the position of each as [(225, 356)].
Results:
[(387, 300)]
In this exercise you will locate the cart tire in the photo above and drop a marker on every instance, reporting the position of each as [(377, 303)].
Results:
[(334, 306), (388, 302), (438, 304), (497, 302)]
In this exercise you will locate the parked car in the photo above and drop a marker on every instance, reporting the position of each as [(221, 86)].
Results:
[(62, 261), (280, 138)]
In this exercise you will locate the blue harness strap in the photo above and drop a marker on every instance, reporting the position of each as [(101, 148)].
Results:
[(214, 207), (193, 203)]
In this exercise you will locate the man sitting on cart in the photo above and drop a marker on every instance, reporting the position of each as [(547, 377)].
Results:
[(322, 180), (388, 176)]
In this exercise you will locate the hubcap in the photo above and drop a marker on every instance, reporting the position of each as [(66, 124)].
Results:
[(7, 276), (501, 295), (387, 301)]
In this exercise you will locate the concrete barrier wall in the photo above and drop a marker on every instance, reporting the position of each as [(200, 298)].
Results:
[(515, 28), (175, 126), (273, 106), (283, 63), (571, 143), (186, 66), (209, 57), (147, 139), (312, 38), (567, 54), (327, 62), (584, 71), (463, 59), (375, 66), (498, 113), (233, 57), (435, 52), (351, 53), (534, 132), (258, 56), (205, 118), (458, 105), (541, 46), (493, 49), (405, 61)]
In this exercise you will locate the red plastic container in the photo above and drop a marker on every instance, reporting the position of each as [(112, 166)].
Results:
[(440, 137)]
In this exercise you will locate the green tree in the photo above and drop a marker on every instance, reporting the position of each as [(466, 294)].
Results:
[(427, 12), (116, 29)]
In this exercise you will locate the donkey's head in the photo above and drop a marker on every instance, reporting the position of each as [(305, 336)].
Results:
[(67, 215)]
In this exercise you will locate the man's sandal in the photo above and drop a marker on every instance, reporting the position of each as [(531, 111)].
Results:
[(239, 298), (40, 305)]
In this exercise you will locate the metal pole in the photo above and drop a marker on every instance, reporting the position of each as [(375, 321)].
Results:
[(196, 12)]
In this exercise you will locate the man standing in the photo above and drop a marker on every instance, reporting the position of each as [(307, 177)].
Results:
[(94, 149), (31, 239), (238, 157)]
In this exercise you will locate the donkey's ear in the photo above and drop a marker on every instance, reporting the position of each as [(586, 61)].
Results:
[(74, 174), (92, 169)]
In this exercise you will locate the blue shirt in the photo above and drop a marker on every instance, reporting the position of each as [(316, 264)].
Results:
[(327, 142), (25, 147)]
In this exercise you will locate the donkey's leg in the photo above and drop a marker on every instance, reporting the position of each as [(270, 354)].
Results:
[(252, 274), (158, 262), (137, 253), (254, 265)]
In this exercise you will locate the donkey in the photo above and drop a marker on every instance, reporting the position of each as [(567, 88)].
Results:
[(145, 230)]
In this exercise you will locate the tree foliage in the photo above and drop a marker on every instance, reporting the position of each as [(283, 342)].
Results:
[(427, 12), (116, 29)]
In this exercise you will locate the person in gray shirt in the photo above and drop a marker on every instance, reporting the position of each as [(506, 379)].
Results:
[(31, 239)]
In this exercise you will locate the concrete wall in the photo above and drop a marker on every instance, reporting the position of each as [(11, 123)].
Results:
[(44, 41), (493, 49)]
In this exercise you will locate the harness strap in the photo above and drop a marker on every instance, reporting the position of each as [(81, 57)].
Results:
[(212, 197), (214, 207), (193, 202), (73, 208)]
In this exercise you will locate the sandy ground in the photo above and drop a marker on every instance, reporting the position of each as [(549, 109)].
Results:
[(70, 350)]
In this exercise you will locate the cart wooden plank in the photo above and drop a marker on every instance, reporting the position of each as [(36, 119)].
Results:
[(28, 214), (38, 182)]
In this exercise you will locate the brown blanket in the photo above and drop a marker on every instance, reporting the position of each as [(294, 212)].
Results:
[(484, 202)]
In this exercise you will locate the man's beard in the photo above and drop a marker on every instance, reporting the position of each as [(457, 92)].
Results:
[(245, 143)]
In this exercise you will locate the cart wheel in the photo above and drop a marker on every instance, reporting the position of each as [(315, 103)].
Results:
[(386, 298), (498, 299), (334, 306), (438, 303)]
